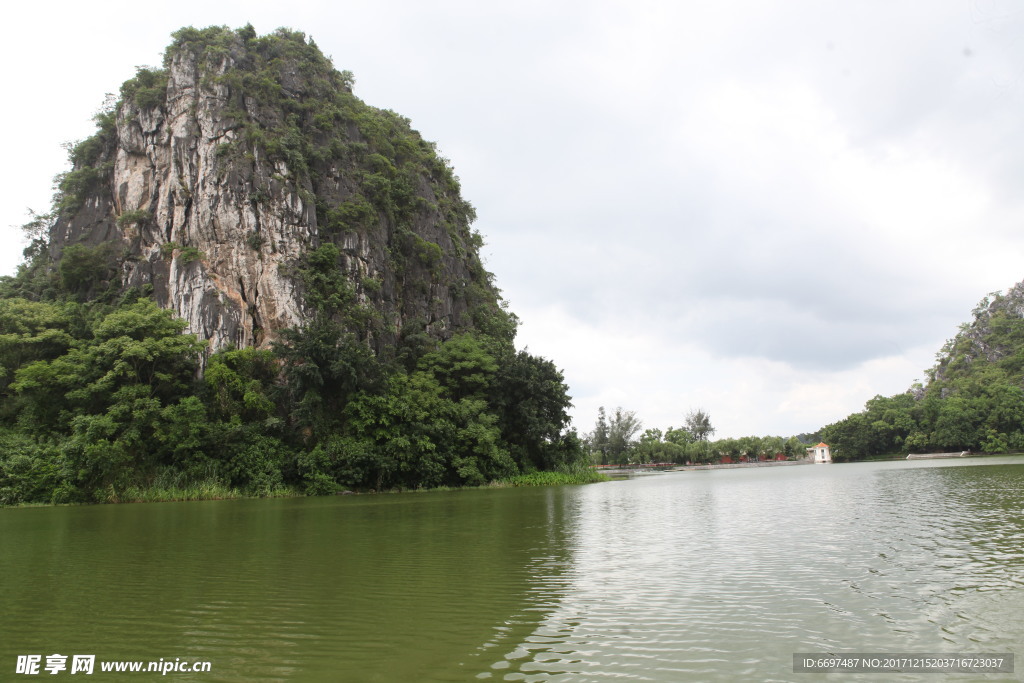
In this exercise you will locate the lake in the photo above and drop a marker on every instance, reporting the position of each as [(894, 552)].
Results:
[(703, 576)]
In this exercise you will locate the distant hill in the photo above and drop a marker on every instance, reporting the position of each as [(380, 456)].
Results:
[(973, 398)]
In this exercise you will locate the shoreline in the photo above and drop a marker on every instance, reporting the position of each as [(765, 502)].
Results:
[(137, 496), (687, 468), (735, 465)]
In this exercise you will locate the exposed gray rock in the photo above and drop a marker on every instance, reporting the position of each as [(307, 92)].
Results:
[(227, 225)]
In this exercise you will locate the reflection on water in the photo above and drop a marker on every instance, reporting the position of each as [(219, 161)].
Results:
[(722, 575), (386, 588), (708, 575)]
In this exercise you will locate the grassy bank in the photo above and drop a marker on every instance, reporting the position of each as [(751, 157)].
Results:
[(581, 475), (213, 489), (209, 490)]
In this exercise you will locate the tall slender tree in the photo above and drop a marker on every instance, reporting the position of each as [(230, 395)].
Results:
[(622, 430), (698, 423)]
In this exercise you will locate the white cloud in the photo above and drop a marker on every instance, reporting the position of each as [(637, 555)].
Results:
[(771, 210), (663, 379)]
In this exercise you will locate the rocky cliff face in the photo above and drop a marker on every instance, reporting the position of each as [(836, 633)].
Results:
[(248, 189), (994, 338)]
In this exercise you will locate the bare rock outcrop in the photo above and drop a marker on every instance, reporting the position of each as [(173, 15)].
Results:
[(216, 177)]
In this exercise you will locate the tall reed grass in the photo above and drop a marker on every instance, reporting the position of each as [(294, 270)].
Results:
[(572, 474), (173, 485)]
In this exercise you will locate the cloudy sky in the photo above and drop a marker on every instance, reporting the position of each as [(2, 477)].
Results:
[(770, 210)]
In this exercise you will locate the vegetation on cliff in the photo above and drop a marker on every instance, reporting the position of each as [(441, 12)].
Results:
[(249, 189), (401, 371), (972, 399)]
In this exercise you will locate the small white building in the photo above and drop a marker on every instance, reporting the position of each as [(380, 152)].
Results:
[(820, 454)]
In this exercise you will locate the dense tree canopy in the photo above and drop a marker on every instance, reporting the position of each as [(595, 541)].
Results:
[(101, 400)]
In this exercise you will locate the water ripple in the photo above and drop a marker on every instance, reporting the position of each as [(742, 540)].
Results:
[(722, 577), (704, 576)]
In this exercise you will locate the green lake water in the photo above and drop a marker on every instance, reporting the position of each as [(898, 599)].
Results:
[(702, 576)]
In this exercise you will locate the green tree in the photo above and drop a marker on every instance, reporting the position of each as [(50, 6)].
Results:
[(463, 366), (531, 401), (86, 272), (413, 435), (34, 471), (108, 392), (698, 423), (959, 424), (31, 331), (728, 448), (680, 436), (323, 367), (597, 440), (699, 451), (652, 447), (622, 429), (794, 448), (240, 385), (257, 465)]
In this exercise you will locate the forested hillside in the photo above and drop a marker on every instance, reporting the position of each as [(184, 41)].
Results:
[(972, 399), (252, 282)]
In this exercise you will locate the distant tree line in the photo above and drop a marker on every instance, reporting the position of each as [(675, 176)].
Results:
[(972, 399), (617, 440)]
